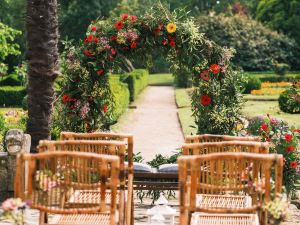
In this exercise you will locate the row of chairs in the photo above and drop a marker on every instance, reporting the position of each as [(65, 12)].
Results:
[(69, 179)]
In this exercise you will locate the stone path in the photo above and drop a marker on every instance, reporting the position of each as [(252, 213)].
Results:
[(154, 123)]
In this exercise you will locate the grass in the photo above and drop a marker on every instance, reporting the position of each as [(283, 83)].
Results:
[(251, 108), (271, 73), (161, 79), (270, 107), (5, 110)]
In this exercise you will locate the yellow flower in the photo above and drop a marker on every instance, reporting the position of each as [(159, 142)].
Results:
[(171, 28)]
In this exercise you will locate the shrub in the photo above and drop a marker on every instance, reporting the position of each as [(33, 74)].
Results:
[(137, 80), (289, 100), (25, 103), (12, 96), (120, 96), (281, 68), (11, 80), (251, 83), (256, 45)]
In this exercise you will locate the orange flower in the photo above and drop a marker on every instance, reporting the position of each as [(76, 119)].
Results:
[(215, 69)]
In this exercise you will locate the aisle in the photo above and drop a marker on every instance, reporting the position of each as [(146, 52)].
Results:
[(154, 123)]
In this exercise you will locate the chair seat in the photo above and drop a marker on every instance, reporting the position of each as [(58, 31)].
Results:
[(223, 201), (224, 219), (80, 219), (91, 197)]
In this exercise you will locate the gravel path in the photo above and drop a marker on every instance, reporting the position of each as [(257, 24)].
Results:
[(154, 123)]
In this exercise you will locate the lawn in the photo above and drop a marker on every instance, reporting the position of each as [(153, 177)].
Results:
[(161, 79), (269, 105)]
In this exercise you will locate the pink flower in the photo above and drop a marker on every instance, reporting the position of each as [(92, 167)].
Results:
[(49, 184), (9, 205), (205, 75), (113, 51)]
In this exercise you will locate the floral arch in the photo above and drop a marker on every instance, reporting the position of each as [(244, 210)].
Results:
[(86, 97)]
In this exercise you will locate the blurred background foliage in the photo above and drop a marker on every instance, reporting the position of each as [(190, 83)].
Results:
[(231, 23)]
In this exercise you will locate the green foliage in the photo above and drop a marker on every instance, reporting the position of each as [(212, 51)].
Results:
[(120, 96), (12, 96), (137, 80), (11, 80), (256, 45), (25, 103), (281, 15), (3, 69), (7, 45), (76, 15), (281, 68), (159, 160), (2, 124), (289, 100), (251, 83)]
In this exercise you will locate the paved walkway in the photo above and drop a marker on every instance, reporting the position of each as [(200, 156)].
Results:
[(154, 123)]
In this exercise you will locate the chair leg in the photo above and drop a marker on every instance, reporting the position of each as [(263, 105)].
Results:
[(43, 219), (132, 210)]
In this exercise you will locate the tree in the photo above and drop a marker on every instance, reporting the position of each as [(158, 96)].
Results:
[(7, 45), (76, 15), (281, 15), (42, 56)]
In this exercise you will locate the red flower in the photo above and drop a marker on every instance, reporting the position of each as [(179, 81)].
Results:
[(113, 38), (85, 41), (268, 139), (96, 40), (205, 75), (133, 45), (119, 25), (205, 100), (215, 68), (164, 42), (113, 51), (124, 16), (100, 72), (290, 148), (110, 58), (87, 52), (133, 18), (125, 48), (294, 164), (104, 108), (170, 38), (172, 44), (156, 31), (93, 28), (65, 98), (264, 127), (288, 137), (90, 38), (161, 26)]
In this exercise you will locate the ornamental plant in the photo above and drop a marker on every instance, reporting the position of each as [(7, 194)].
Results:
[(277, 211), (284, 140), (86, 100), (289, 100), (13, 210)]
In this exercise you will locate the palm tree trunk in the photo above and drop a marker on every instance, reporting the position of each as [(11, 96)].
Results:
[(42, 56)]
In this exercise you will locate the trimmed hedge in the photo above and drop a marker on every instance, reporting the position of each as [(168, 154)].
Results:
[(252, 83), (289, 101), (120, 96), (11, 80), (12, 96), (137, 80), (275, 78)]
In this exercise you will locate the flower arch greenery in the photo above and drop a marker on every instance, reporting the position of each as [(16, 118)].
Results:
[(86, 103)]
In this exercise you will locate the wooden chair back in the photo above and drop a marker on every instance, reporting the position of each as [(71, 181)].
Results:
[(217, 138), (228, 174), (53, 177), (226, 146), (96, 136)]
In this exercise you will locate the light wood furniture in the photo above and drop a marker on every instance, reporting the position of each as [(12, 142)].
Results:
[(54, 176), (105, 136), (228, 174), (226, 146), (217, 138), (117, 148)]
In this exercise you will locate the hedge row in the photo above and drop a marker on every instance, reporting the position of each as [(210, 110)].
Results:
[(12, 96), (120, 96), (137, 80), (11, 80), (275, 78)]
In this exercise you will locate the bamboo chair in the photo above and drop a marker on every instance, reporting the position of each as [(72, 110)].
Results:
[(226, 146), (230, 175), (117, 148), (54, 176), (100, 136), (217, 138)]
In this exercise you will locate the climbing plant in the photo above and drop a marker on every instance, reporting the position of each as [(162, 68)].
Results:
[(109, 45)]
